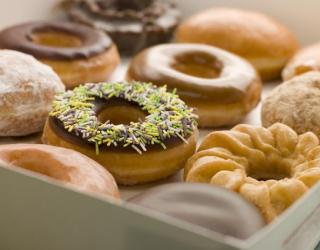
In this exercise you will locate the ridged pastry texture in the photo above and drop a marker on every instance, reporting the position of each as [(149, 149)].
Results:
[(271, 167)]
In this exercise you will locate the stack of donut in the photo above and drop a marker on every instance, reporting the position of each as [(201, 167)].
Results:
[(55, 80)]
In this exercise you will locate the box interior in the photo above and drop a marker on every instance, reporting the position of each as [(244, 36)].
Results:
[(297, 16)]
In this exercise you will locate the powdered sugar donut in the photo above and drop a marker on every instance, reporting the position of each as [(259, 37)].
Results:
[(27, 88), (295, 103)]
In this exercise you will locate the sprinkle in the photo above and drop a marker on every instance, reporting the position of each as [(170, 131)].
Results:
[(136, 148), (168, 116)]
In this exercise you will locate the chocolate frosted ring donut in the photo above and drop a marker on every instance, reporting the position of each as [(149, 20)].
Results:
[(220, 85), (21, 37), (133, 25), (111, 122), (76, 52)]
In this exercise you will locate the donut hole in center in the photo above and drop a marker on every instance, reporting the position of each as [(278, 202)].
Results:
[(119, 111), (34, 164), (275, 169), (57, 39), (198, 64)]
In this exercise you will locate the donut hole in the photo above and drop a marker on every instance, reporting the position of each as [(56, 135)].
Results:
[(198, 64), (273, 170), (35, 164), (120, 112), (57, 39)]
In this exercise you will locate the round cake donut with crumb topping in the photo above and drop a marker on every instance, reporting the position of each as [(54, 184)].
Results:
[(139, 132)]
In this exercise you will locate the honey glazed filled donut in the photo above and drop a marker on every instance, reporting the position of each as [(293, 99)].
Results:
[(139, 132), (221, 86), (77, 53), (132, 24)]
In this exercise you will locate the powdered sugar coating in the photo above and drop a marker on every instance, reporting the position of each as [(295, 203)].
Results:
[(295, 103), (27, 89)]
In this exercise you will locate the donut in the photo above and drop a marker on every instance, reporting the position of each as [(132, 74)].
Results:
[(139, 132), (295, 103), (77, 53), (132, 24), (65, 165), (210, 207), (271, 167), (307, 59), (27, 88), (221, 86), (264, 42)]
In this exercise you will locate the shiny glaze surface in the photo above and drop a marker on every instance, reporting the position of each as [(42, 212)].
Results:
[(174, 65), (27, 38)]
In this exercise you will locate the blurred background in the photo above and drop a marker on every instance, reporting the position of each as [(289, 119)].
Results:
[(298, 15)]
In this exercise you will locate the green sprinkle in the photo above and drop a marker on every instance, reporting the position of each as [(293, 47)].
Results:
[(168, 116)]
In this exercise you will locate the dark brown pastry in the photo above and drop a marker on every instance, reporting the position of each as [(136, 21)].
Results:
[(208, 206), (132, 25)]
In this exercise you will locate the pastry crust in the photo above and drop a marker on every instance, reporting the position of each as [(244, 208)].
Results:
[(65, 165), (264, 42), (271, 167), (95, 69), (295, 103), (27, 88), (131, 168)]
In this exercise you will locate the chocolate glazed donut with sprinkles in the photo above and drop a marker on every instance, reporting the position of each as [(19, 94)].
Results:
[(139, 132)]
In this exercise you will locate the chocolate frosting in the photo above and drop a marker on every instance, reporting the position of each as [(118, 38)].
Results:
[(19, 38), (208, 206), (57, 126), (133, 25), (158, 65)]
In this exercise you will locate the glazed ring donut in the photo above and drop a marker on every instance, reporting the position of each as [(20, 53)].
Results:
[(139, 132), (27, 89), (307, 59), (62, 164), (260, 39), (221, 86), (295, 103), (271, 167), (77, 53)]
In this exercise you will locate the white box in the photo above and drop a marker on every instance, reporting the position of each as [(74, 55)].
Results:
[(39, 213)]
